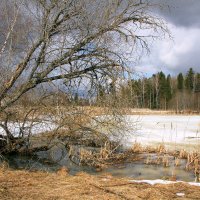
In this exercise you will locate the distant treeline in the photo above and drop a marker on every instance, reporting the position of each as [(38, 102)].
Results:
[(162, 91)]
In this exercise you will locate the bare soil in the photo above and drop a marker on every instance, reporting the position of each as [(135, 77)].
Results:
[(60, 185)]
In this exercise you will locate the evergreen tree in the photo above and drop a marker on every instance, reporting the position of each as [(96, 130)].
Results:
[(189, 80), (197, 82), (162, 85), (180, 81), (168, 90), (155, 79)]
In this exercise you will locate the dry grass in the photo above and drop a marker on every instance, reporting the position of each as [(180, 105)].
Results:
[(139, 148), (163, 155), (104, 158), (91, 111), (39, 185)]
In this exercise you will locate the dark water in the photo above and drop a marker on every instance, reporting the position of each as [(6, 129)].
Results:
[(50, 161), (54, 159)]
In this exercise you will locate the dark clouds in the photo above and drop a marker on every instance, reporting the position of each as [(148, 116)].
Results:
[(183, 52), (182, 12)]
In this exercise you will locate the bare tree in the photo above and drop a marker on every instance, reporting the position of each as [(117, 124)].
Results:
[(74, 42)]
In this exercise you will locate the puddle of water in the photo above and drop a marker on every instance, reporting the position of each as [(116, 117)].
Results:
[(142, 171), (52, 161), (49, 161)]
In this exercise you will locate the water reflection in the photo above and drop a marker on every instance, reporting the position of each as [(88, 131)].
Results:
[(53, 159)]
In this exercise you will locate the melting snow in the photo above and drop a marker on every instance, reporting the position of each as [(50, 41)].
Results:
[(159, 181), (35, 128), (175, 129)]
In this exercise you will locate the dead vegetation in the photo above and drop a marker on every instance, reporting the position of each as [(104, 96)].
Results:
[(45, 186), (103, 157), (78, 123), (108, 156), (162, 156)]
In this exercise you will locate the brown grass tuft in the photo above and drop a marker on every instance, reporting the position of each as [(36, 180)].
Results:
[(63, 171)]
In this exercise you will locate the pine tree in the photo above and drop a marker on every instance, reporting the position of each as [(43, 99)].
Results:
[(180, 81), (189, 80), (162, 85)]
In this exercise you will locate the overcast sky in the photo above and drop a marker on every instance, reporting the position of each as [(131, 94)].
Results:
[(183, 52)]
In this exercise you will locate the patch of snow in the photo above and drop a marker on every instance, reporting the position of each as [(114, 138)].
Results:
[(159, 181), (36, 128), (174, 129), (195, 184), (180, 194), (153, 182)]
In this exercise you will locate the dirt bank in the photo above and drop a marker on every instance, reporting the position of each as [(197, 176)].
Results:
[(41, 185)]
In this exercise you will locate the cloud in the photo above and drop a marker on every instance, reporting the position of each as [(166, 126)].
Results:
[(184, 13), (174, 56), (181, 53)]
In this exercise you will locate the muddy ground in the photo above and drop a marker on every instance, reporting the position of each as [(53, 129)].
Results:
[(41, 185)]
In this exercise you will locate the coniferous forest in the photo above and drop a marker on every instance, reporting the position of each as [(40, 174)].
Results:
[(165, 92)]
